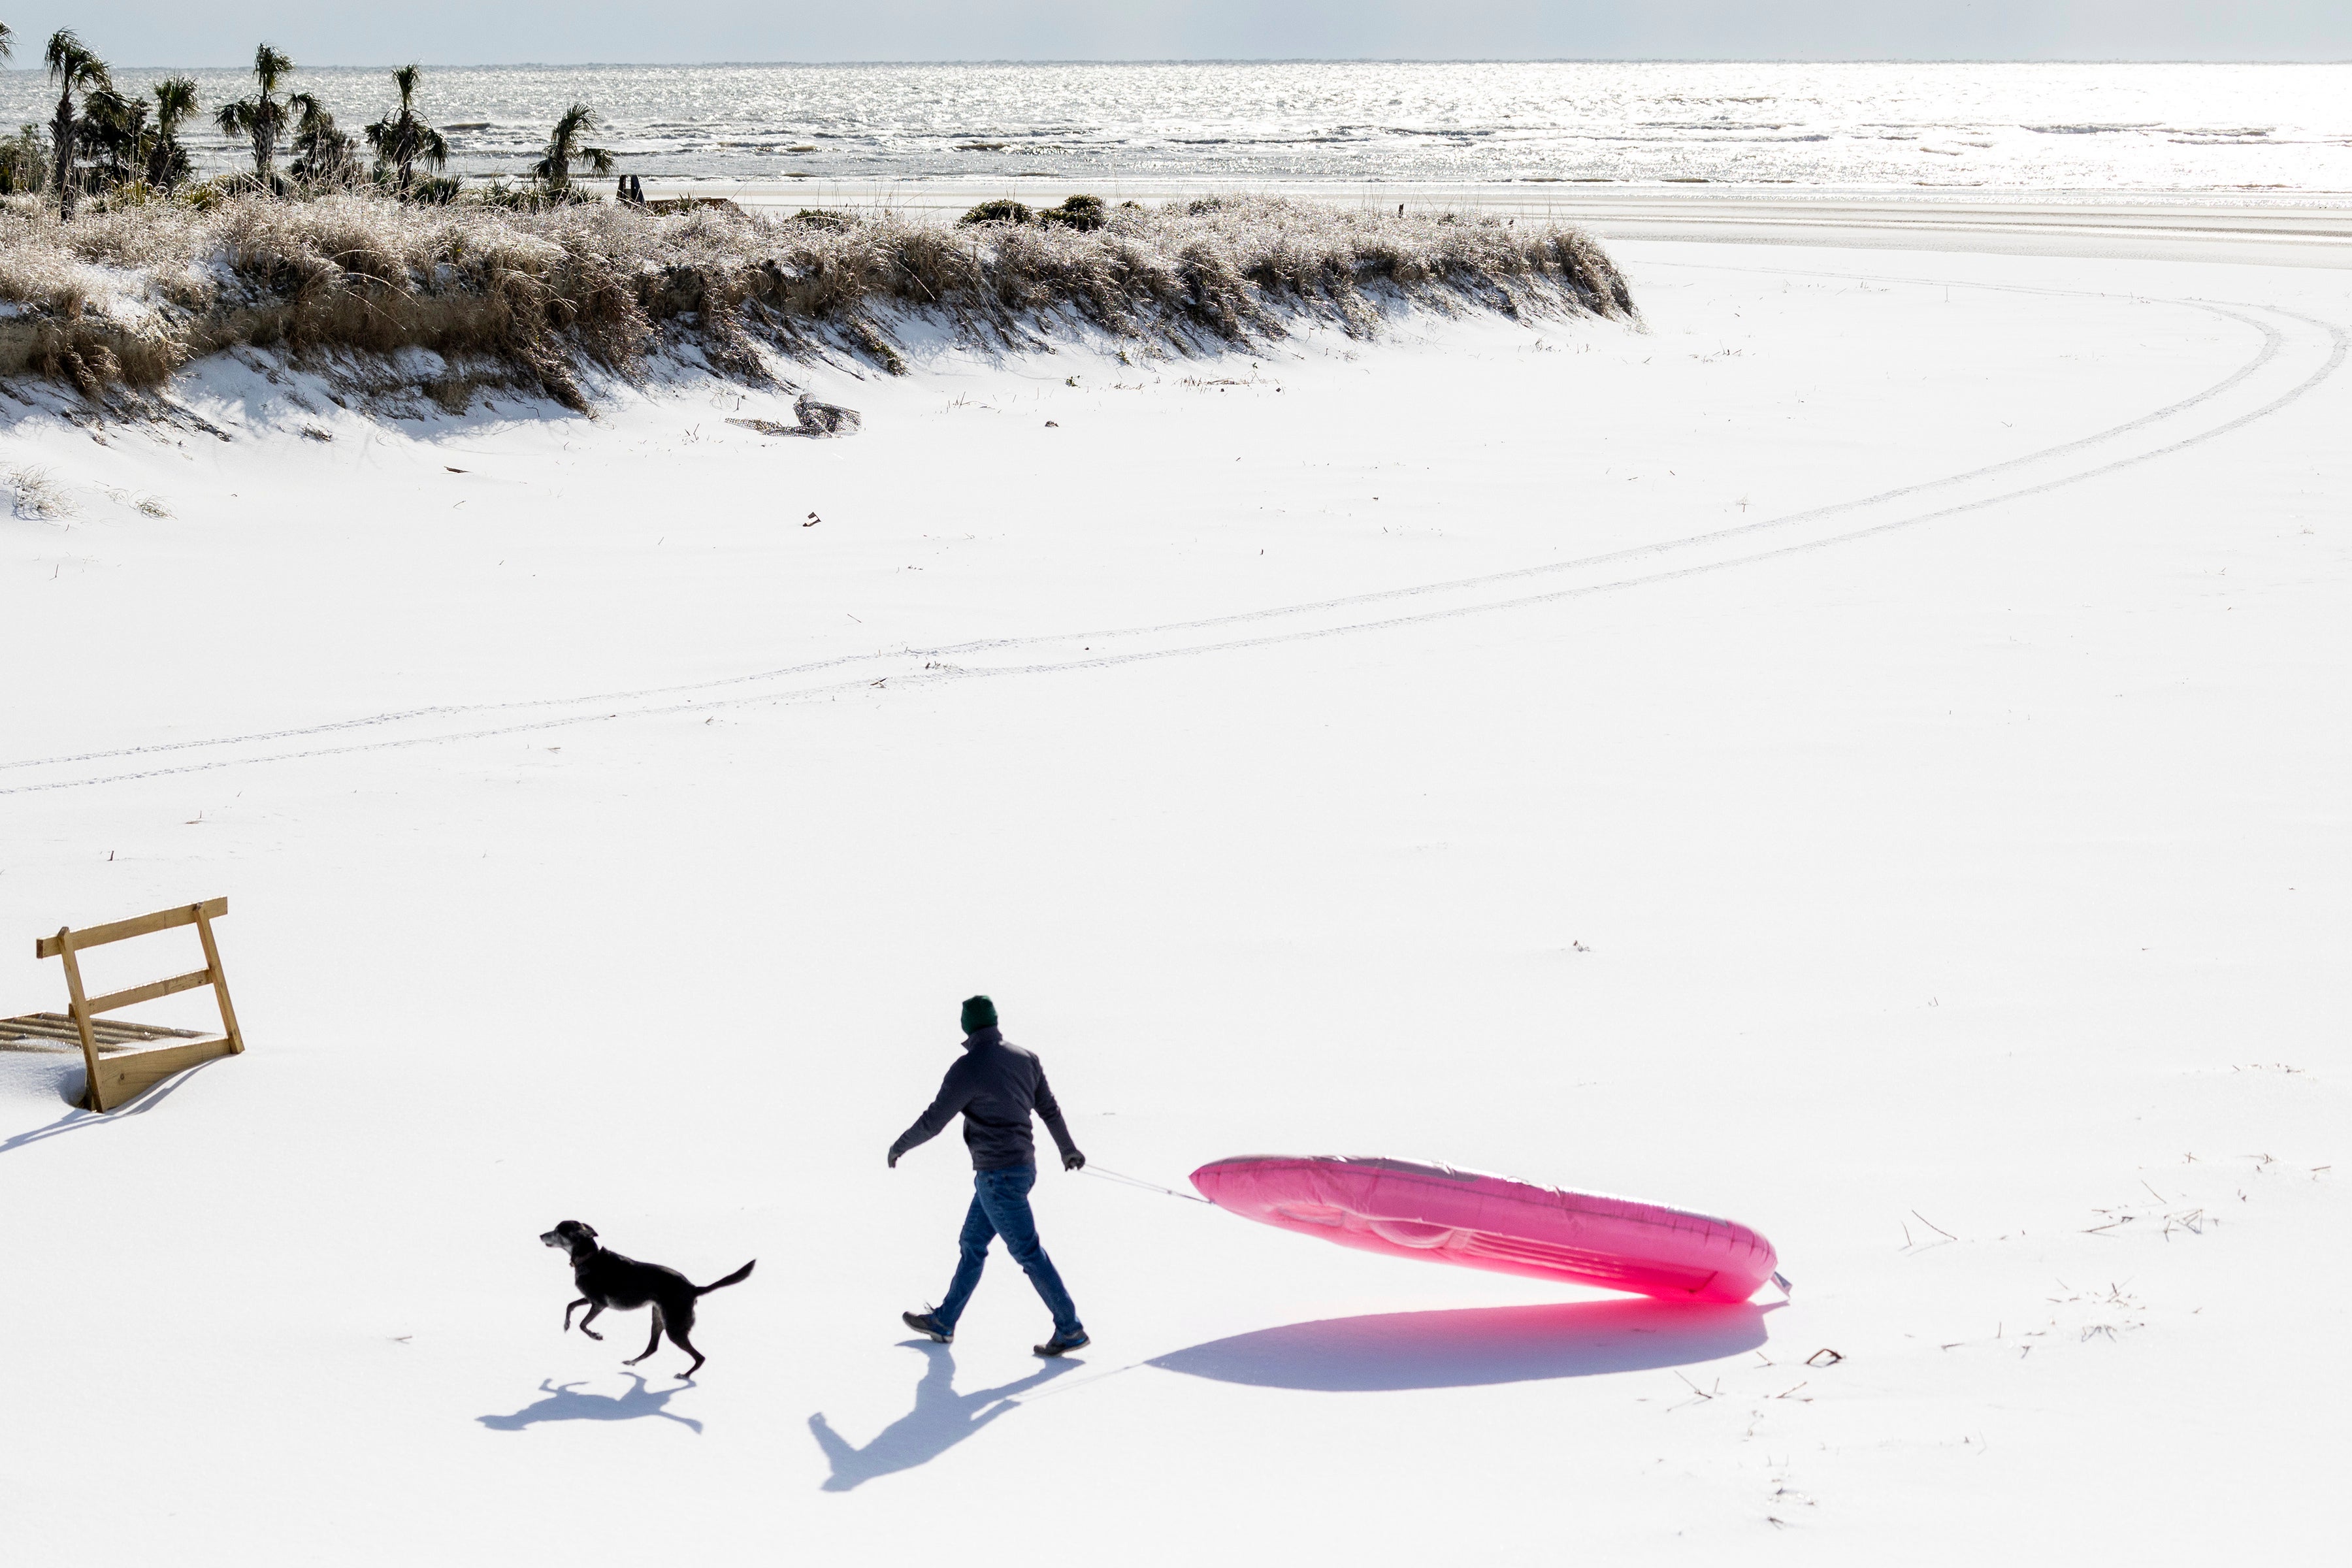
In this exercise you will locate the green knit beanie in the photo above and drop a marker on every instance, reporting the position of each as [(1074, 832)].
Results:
[(978, 1012)]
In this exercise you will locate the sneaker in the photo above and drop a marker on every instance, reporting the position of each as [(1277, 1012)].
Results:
[(1059, 1345), (924, 1323)]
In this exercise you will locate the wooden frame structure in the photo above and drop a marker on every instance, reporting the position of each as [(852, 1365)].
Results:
[(115, 1079)]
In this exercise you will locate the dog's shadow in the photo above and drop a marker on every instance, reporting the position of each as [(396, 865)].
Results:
[(940, 1419), (563, 1403)]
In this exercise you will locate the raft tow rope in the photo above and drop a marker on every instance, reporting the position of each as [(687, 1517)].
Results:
[(1139, 1181)]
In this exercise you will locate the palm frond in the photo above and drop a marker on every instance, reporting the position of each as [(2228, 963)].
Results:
[(271, 66), (175, 100), (109, 108), (575, 123), (72, 65)]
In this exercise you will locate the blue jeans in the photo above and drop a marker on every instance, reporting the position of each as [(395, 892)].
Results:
[(1000, 1206)]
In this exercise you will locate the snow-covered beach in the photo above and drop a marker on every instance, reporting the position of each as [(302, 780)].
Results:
[(1863, 752)]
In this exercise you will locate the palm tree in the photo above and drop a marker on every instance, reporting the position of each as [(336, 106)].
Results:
[(75, 70), (403, 139), (24, 162), (167, 161), (14, 164), (323, 150), (115, 129), (260, 119), (563, 148)]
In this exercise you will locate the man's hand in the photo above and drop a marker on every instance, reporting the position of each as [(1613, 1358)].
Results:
[(894, 1159), (1074, 1161)]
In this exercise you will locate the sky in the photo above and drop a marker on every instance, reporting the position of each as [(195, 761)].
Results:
[(469, 32)]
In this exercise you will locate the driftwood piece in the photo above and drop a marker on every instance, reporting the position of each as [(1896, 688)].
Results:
[(816, 419), (826, 418)]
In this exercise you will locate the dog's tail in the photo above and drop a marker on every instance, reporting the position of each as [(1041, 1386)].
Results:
[(735, 1279)]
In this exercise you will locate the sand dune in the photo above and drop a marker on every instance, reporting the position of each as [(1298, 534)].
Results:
[(1863, 752)]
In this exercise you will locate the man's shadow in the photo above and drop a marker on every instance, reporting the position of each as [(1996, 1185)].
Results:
[(940, 1419), (563, 1405)]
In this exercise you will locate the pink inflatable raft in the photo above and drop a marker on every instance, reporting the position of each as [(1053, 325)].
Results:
[(1478, 1221)]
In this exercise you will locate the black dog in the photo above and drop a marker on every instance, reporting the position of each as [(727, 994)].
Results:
[(606, 1278)]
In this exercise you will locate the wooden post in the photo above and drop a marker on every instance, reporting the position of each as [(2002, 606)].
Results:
[(78, 1004), (220, 980)]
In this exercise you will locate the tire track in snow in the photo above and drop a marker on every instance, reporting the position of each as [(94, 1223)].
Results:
[(2341, 344), (2272, 341), (2015, 478)]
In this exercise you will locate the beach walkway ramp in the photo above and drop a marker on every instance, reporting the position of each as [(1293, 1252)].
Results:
[(125, 1059)]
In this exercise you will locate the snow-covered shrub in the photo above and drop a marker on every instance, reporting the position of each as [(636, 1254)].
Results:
[(127, 295)]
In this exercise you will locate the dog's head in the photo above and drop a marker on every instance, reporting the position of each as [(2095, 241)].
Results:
[(572, 1237)]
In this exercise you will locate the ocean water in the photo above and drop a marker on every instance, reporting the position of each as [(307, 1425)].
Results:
[(2227, 128)]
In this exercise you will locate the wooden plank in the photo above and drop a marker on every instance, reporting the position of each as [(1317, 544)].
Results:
[(140, 925), (220, 977), (78, 1006), (149, 992), (110, 1031), (38, 1026), (136, 1072), (115, 1032), (49, 1032), (106, 1028)]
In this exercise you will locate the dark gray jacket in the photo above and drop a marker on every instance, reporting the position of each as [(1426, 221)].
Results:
[(995, 1085)]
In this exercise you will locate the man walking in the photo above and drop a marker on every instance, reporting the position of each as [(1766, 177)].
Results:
[(996, 1086)]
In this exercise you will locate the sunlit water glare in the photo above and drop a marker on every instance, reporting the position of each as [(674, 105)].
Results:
[(2248, 127)]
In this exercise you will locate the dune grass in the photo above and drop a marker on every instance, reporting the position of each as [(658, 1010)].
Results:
[(122, 297)]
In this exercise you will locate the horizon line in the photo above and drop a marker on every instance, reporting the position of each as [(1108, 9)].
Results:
[(1253, 60)]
